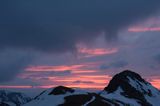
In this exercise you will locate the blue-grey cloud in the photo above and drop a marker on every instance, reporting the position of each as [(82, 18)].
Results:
[(116, 64), (45, 74), (12, 63), (157, 58), (83, 82), (55, 25)]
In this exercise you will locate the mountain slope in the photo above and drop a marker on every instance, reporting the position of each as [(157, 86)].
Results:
[(53, 96), (131, 88), (64, 96), (8, 98)]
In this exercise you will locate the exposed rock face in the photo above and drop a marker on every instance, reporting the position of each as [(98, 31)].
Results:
[(122, 80), (61, 90)]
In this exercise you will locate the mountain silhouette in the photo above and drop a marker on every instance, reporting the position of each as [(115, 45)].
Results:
[(126, 88)]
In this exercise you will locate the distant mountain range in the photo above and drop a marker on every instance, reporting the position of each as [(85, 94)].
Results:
[(125, 89), (8, 98)]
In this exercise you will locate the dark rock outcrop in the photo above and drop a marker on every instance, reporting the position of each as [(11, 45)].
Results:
[(61, 90)]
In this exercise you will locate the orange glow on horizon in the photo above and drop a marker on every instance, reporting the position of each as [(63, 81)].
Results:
[(84, 75), (155, 83), (83, 86), (98, 85)]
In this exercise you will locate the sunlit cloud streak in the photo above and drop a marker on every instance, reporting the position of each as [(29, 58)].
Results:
[(15, 86), (88, 52), (54, 75), (150, 25), (62, 67), (79, 83), (144, 29)]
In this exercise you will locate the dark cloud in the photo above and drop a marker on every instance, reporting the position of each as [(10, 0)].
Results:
[(157, 58), (45, 74), (84, 82), (116, 64), (12, 63), (156, 61), (55, 25)]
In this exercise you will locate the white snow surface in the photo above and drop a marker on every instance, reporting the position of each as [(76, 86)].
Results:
[(117, 96), (52, 100), (154, 99), (142, 87), (21, 97)]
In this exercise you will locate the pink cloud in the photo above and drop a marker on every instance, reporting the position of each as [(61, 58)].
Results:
[(87, 52), (150, 25), (143, 29), (80, 67)]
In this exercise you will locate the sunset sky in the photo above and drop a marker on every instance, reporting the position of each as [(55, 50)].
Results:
[(77, 43)]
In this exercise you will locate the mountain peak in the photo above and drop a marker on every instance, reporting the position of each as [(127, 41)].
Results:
[(122, 80), (131, 85), (131, 74), (61, 90)]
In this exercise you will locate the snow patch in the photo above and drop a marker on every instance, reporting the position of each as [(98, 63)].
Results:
[(52, 100), (117, 96)]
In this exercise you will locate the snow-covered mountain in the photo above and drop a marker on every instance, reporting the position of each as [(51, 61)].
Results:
[(54, 96), (125, 89), (130, 88), (8, 98), (63, 96)]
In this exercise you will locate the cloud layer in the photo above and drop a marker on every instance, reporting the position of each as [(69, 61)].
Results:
[(58, 26), (12, 63)]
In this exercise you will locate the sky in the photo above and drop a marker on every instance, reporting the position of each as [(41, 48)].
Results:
[(80, 44)]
